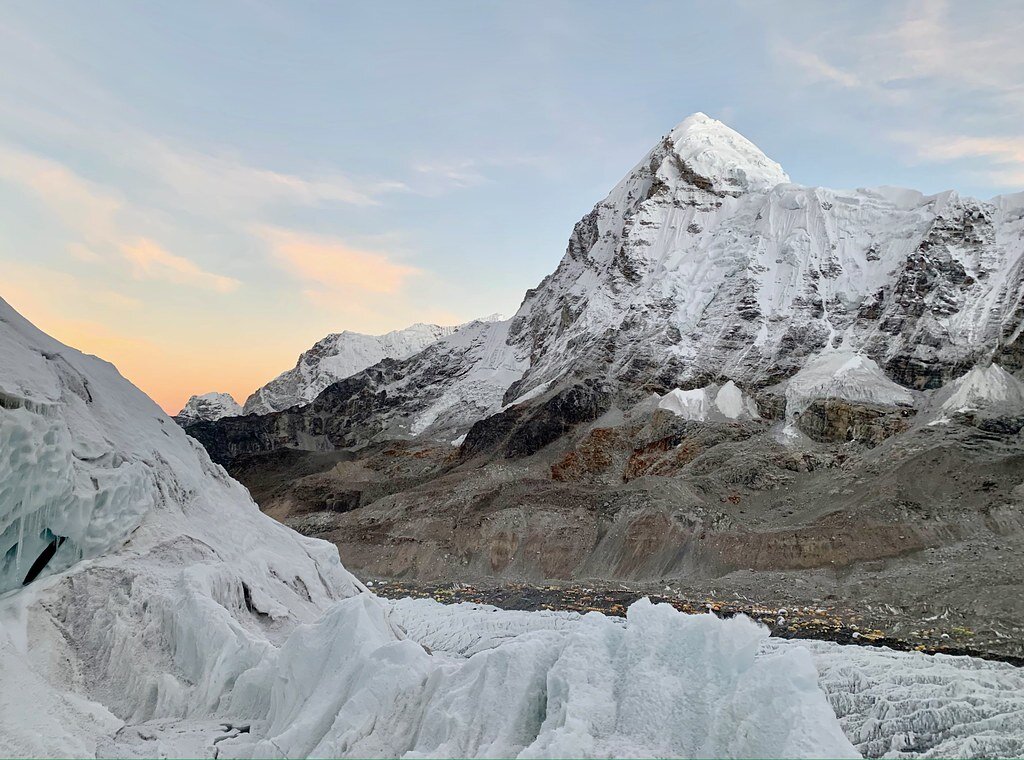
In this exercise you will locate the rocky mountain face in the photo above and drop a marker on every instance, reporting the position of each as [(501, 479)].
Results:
[(207, 408), (726, 374)]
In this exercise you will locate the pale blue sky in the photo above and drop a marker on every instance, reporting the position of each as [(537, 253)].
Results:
[(200, 190)]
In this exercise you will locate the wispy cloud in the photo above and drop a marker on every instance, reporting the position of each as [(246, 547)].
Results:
[(454, 173), (90, 213), (329, 265), (816, 68), (151, 262), (1003, 157), (919, 63), (82, 206), (219, 183)]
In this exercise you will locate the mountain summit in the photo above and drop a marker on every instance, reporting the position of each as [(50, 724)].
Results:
[(723, 156)]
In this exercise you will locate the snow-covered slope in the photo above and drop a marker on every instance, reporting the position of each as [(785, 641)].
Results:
[(983, 389), (209, 406), (341, 355)]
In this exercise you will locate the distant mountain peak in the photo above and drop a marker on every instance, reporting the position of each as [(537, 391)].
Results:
[(209, 407)]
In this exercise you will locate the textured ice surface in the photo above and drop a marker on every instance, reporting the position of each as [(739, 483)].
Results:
[(899, 704), (658, 684), (174, 583), (890, 704)]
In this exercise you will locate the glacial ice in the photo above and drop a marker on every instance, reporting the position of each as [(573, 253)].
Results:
[(690, 405), (890, 704), (982, 389)]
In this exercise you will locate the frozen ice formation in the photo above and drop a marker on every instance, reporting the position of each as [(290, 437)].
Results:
[(845, 375), (713, 402), (890, 704), (983, 389)]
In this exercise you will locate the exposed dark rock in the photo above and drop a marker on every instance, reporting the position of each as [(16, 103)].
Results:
[(837, 420)]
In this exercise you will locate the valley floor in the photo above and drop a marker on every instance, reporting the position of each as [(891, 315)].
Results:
[(886, 626)]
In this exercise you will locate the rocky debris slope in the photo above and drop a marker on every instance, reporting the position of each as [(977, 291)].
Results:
[(208, 407)]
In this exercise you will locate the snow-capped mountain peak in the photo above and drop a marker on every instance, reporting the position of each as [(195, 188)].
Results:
[(723, 156), (209, 407)]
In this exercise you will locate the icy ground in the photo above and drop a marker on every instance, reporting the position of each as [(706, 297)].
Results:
[(890, 704)]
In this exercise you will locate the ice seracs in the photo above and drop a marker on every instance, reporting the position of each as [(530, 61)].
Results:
[(141, 581), (208, 407), (719, 403)]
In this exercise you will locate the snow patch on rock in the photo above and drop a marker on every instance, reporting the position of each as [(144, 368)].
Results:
[(846, 375), (989, 388), (718, 403)]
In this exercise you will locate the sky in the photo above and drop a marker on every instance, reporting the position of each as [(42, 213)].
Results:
[(199, 191)]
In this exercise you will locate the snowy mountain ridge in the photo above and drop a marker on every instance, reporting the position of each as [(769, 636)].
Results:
[(341, 355)]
